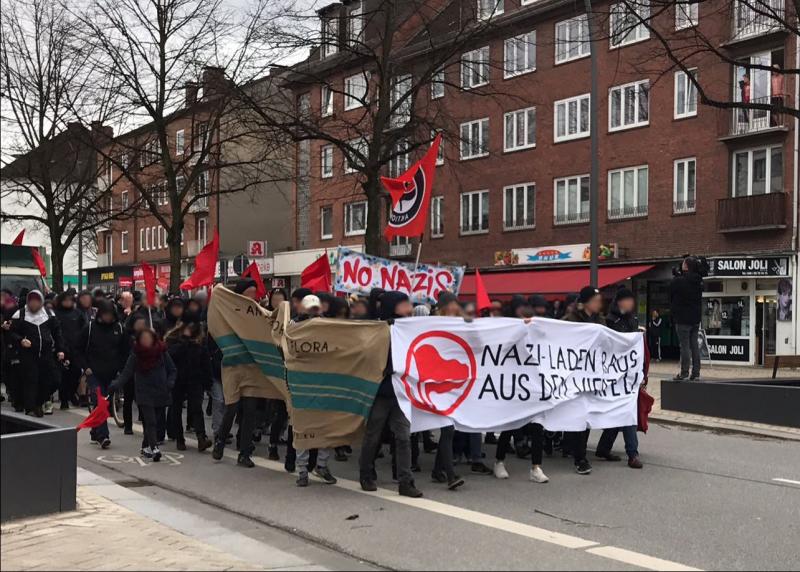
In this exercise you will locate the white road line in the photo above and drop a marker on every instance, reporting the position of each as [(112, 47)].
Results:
[(788, 481), (479, 518)]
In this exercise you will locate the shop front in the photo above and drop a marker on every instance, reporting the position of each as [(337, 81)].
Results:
[(110, 278), (288, 266)]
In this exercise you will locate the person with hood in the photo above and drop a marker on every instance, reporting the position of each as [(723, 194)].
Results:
[(386, 411), (72, 323), (686, 299), (621, 318), (153, 374), (9, 352), (173, 313), (36, 334), (540, 306), (103, 348), (189, 352)]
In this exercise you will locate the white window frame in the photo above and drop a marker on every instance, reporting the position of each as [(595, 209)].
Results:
[(684, 180), (689, 94), (687, 14), (527, 114), (767, 173), (330, 46), (487, 11), (354, 100), (511, 47), (580, 216), (124, 200), (202, 231), (401, 161), (148, 236), (360, 142), (440, 154), (475, 64), (326, 173), (123, 242), (401, 86), (580, 45), (566, 104), (638, 209), (638, 33), (355, 32), (180, 142), (438, 80), (437, 216), (638, 87), (109, 246), (514, 224), (325, 108), (323, 235), (483, 199), (141, 240), (483, 135), (349, 219)]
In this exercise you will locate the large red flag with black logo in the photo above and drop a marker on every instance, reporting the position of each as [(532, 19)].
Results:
[(411, 195)]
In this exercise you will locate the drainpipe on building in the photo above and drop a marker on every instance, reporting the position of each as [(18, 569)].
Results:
[(795, 201), (595, 165)]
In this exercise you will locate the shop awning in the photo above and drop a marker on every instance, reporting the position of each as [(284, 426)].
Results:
[(549, 281)]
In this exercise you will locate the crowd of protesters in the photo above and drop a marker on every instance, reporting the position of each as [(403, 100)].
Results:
[(161, 358)]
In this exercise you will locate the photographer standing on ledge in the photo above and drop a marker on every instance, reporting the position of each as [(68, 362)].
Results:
[(686, 298)]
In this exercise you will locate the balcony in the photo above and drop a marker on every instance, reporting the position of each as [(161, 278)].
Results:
[(104, 259), (756, 17), (753, 212), (745, 122), (571, 218), (627, 212), (200, 205), (400, 250), (683, 207)]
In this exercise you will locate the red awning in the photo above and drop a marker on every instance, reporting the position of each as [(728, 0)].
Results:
[(548, 281)]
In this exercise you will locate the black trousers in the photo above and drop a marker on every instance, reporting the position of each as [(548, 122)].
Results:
[(246, 409), (536, 433), (193, 395), (129, 396), (69, 382), (577, 444), (38, 376), (150, 424), (278, 417)]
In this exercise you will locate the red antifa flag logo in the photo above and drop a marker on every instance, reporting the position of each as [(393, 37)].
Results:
[(439, 373), (411, 195)]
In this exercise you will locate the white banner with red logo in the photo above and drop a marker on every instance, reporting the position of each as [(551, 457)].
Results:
[(495, 374)]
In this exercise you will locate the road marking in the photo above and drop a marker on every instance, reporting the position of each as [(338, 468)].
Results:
[(788, 481), (171, 459), (502, 524)]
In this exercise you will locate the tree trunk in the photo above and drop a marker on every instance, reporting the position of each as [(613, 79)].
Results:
[(57, 267), (175, 278), (373, 240)]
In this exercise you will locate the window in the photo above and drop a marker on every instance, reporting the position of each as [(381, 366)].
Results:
[(355, 24), (355, 91), (353, 163), (304, 105), (200, 137), (157, 237), (330, 36), (629, 105), (124, 198), (489, 8), (571, 200), (400, 101), (752, 18), (326, 160), (519, 202), (109, 205), (148, 235), (141, 239), (758, 171), (572, 39), (475, 68), (520, 54), (326, 222), (686, 14), (685, 193), (108, 243), (179, 142), (628, 22), (440, 151), (475, 139), (475, 212), (400, 159), (685, 95), (355, 219), (437, 217), (326, 101), (180, 183), (520, 129), (202, 190), (627, 192), (123, 241), (437, 84), (572, 118), (202, 231)]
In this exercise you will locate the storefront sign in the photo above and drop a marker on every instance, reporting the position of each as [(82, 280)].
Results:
[(257, 248), (106, 276), (265, 265), (279, 283), (762, 266), (125, 281), (564, 253), (729, 349)]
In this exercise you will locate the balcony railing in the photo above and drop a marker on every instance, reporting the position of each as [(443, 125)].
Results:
[(756, 17), (680, 207), (753, 212), (200, 205), (104, 259), (747, 121), (571, 218), (627, 212), (399, 250)]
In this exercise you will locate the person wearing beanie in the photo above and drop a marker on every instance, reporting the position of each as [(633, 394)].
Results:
[(539, 305), (246, 287), (422, 311)]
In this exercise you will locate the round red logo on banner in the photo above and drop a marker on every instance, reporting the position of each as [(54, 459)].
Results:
[(439, 373)]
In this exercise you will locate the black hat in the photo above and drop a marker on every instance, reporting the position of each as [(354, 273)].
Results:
[(587, 293), (537, 301), (623, 293), (446, 298), (301, 293), (244, 284)]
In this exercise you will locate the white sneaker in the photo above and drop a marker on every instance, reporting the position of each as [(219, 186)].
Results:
[(48, 408), (538, 476), (500, 470)]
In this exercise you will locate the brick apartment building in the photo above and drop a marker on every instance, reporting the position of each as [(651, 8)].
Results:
[(511, 194)]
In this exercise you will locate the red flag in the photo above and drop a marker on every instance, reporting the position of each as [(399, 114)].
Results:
[(39, 261), (481, 296), (317, 276), (18, 240), (99, 414), (411, 195), (253, 272), (149, 283), (205, 266)]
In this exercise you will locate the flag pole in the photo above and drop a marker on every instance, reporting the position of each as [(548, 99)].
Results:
[(419, 252)]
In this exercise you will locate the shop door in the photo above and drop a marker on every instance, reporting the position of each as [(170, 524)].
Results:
[(766, 318)]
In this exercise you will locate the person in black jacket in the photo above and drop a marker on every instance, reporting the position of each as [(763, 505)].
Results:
[(36, 333), (102, 351), (9, 353), (72, 321), (686, 299), (173, 313), (188, 350)]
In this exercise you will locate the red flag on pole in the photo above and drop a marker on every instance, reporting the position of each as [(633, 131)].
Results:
[(253, 272), (481, 296), (39, 261), (411, 195), (18, 240), (205, 266), (317, 276), (149, 283), (99, 414)]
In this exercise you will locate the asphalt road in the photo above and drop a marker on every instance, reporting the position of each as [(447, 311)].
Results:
[(704, 500)]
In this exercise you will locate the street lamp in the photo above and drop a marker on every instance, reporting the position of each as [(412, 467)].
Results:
[(595, 167)]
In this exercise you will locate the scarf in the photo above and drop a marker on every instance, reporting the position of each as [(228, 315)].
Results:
[(35, 318), (148, 358)]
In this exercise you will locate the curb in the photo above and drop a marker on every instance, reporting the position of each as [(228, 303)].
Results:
[(724, 428)]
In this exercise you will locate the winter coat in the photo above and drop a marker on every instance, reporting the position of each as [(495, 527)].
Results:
[(72, 321), (389, 302), (103, 348), (624, 323), (45, 337), (686, 298), (193, 362), (579, 315), (153, 387)]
